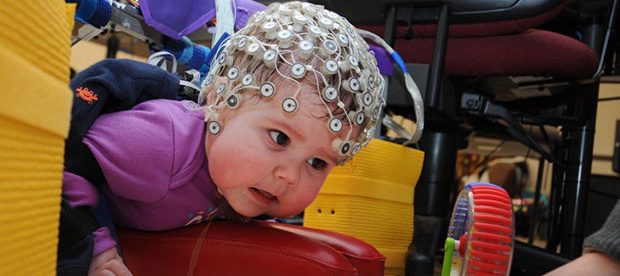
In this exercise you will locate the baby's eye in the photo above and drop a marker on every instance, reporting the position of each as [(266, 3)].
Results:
[(317, 164), (279, 138)]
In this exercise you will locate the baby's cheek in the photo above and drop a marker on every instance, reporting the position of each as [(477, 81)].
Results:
[(232, 165), (306, 196), (312, 195), (247, 159)]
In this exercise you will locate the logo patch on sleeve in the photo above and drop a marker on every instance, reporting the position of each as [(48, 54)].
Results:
[(86, 94)]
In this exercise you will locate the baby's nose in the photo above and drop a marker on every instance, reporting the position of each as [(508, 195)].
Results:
[(286, 174)]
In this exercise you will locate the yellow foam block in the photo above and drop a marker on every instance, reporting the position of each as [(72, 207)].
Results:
[(38, 31), (371, 198), (30, 172), (31, 96), (35, 105)]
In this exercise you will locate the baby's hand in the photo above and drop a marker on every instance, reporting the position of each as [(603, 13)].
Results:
[(108, 263)]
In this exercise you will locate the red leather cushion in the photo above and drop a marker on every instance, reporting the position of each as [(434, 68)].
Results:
[(231, 248), (530, 53), (363, 256)]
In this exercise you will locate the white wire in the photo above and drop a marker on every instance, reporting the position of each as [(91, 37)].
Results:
[(412, 88), (157, 58), (225, 19)]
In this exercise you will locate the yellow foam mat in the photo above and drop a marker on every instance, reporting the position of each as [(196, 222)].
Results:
[(38, 32), (30, 171), (31, 96), (35, 105), (371, 198)]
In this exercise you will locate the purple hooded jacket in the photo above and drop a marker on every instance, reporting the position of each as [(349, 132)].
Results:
[(155, 166)]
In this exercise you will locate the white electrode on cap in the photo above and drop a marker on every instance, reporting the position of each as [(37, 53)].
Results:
[(241, 43), (343, 39), (285, 38), (270, 29), (326, 23), (330, 67), (254, 49), (298, 70), (309, 10), (314, 32), (299, 22), (352, 85), (348, 63), (330, 93), (285, 10), (305, 49), (270, 57), (328, 48)]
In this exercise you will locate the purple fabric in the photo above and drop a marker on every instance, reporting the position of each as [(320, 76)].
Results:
[(103, 240), (154, 162), (244, 9), (78, 191), (178, 18), (383, 60)]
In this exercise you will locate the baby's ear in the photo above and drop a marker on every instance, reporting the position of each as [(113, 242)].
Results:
[(209, 95)]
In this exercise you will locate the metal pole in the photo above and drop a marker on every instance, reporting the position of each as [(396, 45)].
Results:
[(541, 166), (439, 54), (390, 25), (578, 174)]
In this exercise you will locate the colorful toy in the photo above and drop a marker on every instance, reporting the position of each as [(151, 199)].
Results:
[(481, 233)]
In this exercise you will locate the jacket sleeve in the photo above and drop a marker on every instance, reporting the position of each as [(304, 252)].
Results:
[(607, 239), (78, 192), (108, 86)]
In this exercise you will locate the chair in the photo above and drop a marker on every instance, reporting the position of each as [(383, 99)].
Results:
[(489, 64)]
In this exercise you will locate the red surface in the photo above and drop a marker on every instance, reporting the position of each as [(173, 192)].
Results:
[(501, 48), (491, 238), (463, 244), (493, 228), (364, 257), (530, 53), (492, 218), (504, 200), (256, 248), (472, 29)]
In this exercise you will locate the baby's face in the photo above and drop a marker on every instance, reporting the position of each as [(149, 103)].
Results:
[(266, 161)]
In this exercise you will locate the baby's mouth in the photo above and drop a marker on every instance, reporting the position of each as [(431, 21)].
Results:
[(264, 195)]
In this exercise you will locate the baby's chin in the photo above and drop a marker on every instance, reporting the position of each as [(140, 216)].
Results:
[(282, 215), (246, 213), (255, 213)]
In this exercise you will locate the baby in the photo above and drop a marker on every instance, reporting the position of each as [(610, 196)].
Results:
[(290, 96)]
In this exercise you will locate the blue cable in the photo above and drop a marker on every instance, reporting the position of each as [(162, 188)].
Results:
[(216, 48), (187, 52), (192, 55), (94, 12), (399, 61)]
